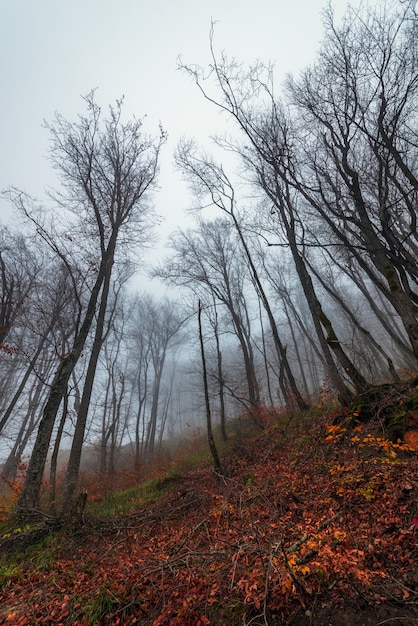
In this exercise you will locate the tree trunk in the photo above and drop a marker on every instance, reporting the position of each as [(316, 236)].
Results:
[(80, 427), (378, 351), (54, 457), (221, 384), (152, 426), (28, 503), (22, 384), (26, 429), (211, 440), (281, 351)]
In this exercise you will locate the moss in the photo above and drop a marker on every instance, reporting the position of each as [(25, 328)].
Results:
[(231, 613), (391, 279), (396, 425), (412, 402), (396, 418), (248, 478), (381, 401), (9, 573)]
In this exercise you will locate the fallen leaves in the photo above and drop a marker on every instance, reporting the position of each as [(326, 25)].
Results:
[(328, 518)]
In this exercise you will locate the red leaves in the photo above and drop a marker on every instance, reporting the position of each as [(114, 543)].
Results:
[(411, 438), (315, 518)]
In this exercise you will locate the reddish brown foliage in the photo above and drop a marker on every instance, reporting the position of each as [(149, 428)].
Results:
[(305, 517), (10, 490), (411, 438)]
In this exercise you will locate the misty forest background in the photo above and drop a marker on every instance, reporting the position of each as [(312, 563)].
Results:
[(300, 258)]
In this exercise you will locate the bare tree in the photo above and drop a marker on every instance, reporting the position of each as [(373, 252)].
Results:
[(211, 439), (26, 412), (47, 320), (19, 270), (357, 116), (209, 179), (342, 148), (220, 376), (140, 373), (209, 257), (163, 323), (108, 305), (107, 168)]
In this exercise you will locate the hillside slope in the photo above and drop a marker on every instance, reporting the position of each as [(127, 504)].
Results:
[(314, 522)]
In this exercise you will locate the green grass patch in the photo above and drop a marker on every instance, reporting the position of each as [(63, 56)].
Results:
[(129, 500), (91, 611), (9, 572)]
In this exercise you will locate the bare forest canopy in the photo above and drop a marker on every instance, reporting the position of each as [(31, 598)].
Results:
[(296, 283)]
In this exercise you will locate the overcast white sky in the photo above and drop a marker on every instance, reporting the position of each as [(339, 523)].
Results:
[(55, 51)]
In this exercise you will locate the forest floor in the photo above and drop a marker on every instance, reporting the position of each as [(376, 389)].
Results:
[(314, 522)]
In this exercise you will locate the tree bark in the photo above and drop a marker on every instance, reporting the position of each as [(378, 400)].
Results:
[(28, 503), (211, 440), (80, 427)]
